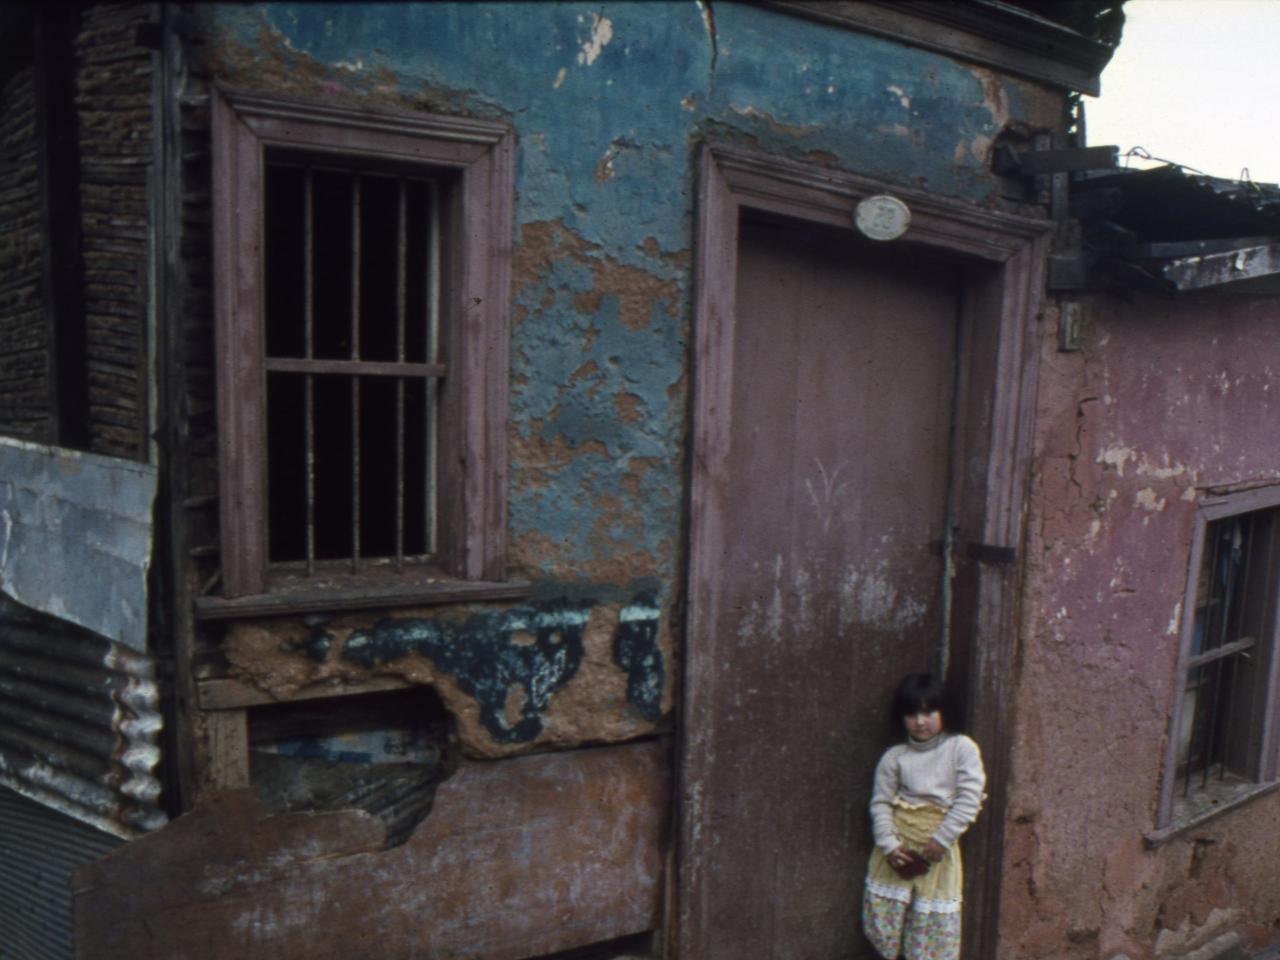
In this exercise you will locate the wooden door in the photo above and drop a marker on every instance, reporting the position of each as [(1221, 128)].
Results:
[(835, 504)]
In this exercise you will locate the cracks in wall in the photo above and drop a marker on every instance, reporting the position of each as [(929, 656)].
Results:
[(709, 21), (1074, 456)]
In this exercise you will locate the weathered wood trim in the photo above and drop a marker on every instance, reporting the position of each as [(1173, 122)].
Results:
[(477, 314), (527, 857), (239, 339), (715, 278), (367, 594), (227, 733), (260, 111), (1211, 509), (992, 685), (1016, 247), (484, 295), (226, 694), (995, 35)]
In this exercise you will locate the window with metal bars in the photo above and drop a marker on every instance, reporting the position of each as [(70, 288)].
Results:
[(362, 264), (354, 364), (1222, 744)]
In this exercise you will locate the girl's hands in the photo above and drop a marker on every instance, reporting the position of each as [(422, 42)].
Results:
[(933, 852), (899, 858)]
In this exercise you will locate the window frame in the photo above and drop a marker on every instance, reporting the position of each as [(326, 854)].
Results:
[(479, 158), (1213, 509)]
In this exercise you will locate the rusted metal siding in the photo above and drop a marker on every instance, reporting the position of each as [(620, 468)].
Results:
[(113, 99), (77, 689), (24, 387), (80, 724), (40, 849), (75, 537)]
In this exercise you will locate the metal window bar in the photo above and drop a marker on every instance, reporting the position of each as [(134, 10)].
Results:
[(431, 372), (1226, 645), (432, 390), (1235, 594), (355, 380), (402, 212), (309, 307), (1265, 624)]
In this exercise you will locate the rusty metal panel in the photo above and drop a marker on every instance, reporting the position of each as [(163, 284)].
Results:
[(79, 722), (75, 537), (843, 379), (39, 851), (79, 710), (518, 858)]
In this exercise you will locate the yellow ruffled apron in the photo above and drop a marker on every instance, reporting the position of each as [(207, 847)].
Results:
[(917, 918)]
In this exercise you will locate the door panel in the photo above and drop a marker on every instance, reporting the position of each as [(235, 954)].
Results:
[(844, 358)]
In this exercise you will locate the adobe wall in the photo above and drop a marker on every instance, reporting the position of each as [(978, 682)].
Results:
[(1165, 401), (610, 105)]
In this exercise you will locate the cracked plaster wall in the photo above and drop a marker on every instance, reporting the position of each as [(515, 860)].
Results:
[(610, 103), (1163, 401)]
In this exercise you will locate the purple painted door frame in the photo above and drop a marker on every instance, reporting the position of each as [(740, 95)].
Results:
[(1002, 258)]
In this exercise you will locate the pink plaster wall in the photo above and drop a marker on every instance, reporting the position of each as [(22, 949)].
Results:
[(1165, 401)]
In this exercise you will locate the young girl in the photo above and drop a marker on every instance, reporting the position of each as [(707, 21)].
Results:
[(927, 792)]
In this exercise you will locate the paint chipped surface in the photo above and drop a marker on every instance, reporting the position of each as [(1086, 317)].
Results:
[(1132, 431), (601, 33), (77, 537), (557, 673)]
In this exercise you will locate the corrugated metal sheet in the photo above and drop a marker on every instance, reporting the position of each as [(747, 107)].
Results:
[(79, 710), (79, 722), (75, 537), (40, 849)]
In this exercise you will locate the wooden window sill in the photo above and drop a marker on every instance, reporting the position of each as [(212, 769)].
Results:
[(293, 596), (1241, 796)]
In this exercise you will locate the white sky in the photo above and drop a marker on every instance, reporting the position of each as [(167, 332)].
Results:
[(1196, 82)]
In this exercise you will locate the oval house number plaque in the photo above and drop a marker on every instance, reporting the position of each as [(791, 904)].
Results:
[(882, 217)]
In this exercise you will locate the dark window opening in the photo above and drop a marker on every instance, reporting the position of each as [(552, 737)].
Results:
[(384, 753), (354, 364), (1224, 699)]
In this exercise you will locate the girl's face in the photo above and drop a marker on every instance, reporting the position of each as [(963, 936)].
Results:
[(923, 724)]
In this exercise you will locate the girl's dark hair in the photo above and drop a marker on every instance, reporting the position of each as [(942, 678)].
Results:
[(923, 691)]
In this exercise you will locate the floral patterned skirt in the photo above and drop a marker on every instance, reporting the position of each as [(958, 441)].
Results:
[(918, 919)]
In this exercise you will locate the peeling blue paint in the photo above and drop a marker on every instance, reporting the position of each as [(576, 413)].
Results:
[(608, 124), (492, 655), (635, 650), (486, 658)]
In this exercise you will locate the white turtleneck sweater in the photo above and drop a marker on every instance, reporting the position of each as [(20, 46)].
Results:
[(945, 771)]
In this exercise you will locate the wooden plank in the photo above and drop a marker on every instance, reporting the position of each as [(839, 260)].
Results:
[(997, 35), (238, 327), (355, 368), (323, 595), (227, 741), (518, 858), (226, 694)]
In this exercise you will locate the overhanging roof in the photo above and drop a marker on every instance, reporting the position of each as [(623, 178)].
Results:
[(1064, 43)]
